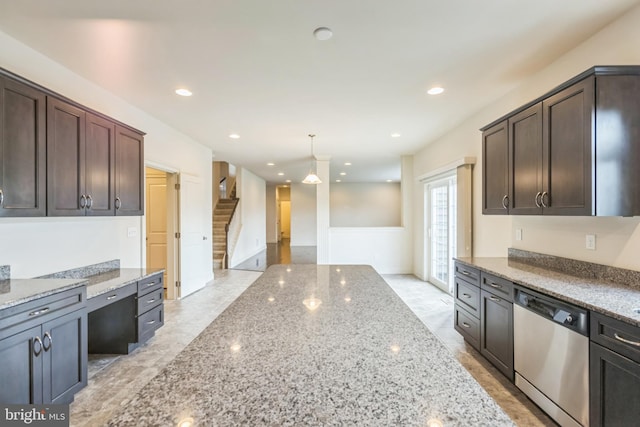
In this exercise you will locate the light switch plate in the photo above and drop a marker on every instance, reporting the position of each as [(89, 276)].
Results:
[(518, 233), (132, 232), (590, 242)]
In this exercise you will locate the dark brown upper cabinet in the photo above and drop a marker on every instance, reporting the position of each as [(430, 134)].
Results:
[(100, 164), (495, 170), (573, 151), (129, 190), (22, 150)]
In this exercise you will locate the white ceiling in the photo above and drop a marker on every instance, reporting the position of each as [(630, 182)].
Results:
[(256, 70)]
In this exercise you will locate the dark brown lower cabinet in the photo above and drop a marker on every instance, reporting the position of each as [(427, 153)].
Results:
[(496, 331), (46, 363), (614, 372)]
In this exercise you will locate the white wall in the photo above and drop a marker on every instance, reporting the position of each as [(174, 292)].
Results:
[(251, 190), (303, 215), (272, 214), (618, 239), (365, 204), (44, 245)]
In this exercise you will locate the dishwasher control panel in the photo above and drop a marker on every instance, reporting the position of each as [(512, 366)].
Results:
[(560, 312)]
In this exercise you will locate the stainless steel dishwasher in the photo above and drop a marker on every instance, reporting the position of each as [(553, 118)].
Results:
[(551, 356)]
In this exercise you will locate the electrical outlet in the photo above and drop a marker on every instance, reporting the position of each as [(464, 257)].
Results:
[(518, 233), (590, 242), (132, 232)]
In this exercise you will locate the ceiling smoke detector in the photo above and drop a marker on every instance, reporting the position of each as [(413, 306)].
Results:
[(322, 33)]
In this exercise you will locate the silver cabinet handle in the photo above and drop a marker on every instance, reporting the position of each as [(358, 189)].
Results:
[(39, 312), (466, 295), (626, 341), (149, 301), (542, 196), (110, 297), (466, 325), (151, 322), (505, 202), (465, 272), (83, 201), (496, 299), (151, 284), (118, 203), (1, 197), (89, 201), (37, 351), (495, 285), (44, 342), (537, 199)]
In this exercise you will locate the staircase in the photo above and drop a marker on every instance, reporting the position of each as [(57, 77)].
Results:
[(221, 217)]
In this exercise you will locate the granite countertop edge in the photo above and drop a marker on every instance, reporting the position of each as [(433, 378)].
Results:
[(608, 298), (54, 286), (102, 283)]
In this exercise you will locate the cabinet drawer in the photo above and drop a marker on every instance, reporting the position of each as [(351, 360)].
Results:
[(110, 297), (38, 311), (150, 284), (149, 322), (498, 286), (469, 274), (618, 336), (150, 300), (468, 326), (468, 296)]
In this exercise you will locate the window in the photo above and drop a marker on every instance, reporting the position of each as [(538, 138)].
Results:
[(441, 230)]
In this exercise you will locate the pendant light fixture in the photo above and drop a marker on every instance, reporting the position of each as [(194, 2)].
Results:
[(312, 178)]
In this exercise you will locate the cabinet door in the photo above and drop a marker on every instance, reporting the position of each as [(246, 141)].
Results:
[(22, 150), (21, 373), (65, 159), (614, 388), (129, 172), (525, 161), (496, 332), (568, 139), (495, 170), (100, 166), (65, 357)]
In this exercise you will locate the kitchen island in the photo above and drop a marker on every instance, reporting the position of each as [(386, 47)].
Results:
[(314, 345)]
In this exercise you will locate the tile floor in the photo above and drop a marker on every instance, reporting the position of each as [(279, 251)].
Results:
[(113, 380)]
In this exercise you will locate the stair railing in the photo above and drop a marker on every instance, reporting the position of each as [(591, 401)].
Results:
[(232, 233)]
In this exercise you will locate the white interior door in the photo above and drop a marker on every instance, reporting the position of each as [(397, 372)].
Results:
[(192, 236)]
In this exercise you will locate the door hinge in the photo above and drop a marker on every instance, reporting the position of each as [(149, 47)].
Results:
[(177, 186), (178, 284), (177, 235)]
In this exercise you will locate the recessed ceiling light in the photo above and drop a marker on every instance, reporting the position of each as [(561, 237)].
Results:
[(322, 33), (347, 164), (271, 164), (395, 135), (234, 136), (280, 173), (184, 92), (389, 180), (436, 90), (288, 180), (338, 180), (343, 173)]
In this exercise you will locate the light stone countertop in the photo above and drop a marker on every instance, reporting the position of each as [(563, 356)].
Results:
[(19, 291), (605, 297), (310, 345)]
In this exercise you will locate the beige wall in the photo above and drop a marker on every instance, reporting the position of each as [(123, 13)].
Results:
[(618, 239), (365, 204)]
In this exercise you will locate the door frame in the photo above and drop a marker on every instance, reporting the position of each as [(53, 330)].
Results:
[(173, 258)]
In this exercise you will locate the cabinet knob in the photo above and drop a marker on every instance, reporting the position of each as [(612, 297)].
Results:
[(542, 196), (538, 198), (47, 335), (37, 350)]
